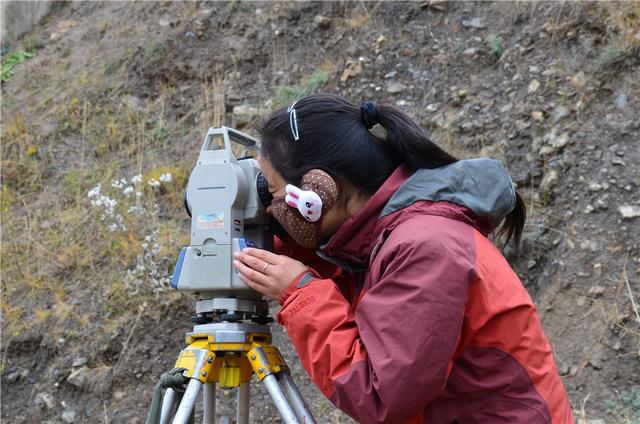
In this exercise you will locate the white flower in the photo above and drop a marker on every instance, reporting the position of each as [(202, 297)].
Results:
[(127, 191), (166, 177), (136, 179), (116, 184), (138, 194), (112, 227), (154, 183), (94, 191)]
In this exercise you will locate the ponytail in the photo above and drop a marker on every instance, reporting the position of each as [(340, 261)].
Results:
[(407, 143)]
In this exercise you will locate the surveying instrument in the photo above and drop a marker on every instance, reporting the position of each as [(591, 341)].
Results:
[(226, 199)]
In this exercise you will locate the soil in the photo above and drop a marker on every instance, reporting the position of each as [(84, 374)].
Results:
[(564, 122)]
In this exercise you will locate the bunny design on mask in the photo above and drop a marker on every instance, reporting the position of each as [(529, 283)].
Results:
[(307, 202)]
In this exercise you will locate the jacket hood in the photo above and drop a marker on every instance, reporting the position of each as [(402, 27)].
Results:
[(478, 192), (481, 185)]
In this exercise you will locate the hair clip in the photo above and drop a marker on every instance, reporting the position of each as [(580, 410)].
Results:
[(293, 121)]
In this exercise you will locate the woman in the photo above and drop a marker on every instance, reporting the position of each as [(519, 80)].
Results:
[(406, 312)]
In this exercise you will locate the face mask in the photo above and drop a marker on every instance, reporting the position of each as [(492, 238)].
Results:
[(300, 211)]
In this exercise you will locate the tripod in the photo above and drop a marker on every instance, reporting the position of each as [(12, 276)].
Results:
[(227, 354)]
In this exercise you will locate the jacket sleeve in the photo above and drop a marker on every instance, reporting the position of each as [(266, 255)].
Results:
[(390, 358), (286, 246)]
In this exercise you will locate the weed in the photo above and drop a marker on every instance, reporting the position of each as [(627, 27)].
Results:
[(13, 59), (495, 46), (65, 52), (289, 94), (615, 58), (32, 42), (155, 50), (626, 406)]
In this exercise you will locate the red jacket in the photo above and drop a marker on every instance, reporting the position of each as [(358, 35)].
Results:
[(424, 320)]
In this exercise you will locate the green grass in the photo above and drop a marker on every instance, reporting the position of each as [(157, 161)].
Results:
[(11, 60), (289, 94), (495, 46), (616, 58), (625, 408)]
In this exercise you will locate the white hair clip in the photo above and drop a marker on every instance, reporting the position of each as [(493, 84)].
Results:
[(293, 121)]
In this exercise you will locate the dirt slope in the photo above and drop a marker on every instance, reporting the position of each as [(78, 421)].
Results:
[(118, 89)]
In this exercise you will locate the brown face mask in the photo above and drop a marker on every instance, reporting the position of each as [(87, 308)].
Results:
[(300, 211)]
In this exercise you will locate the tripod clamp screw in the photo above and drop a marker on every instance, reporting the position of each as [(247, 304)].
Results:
[(204, 373)]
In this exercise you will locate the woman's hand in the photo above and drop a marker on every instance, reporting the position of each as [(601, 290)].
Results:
[(266, 272)]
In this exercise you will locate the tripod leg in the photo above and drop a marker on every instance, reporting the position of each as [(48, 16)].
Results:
[(188, 402), (301, 408), (168, 402), (279, 399), (242, 415), (209, 402)]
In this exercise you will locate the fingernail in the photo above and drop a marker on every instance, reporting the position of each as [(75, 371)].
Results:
[(236, 255), (245, 250), (236, 263)]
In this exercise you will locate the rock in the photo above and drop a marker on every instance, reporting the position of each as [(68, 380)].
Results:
[(78, 362), (617, 161), (621, 101), (564, 369), (16, 375), (395, 87), (537, 116), (477, 23), (559, 113), (579, 81), (470, 51), (598, 357), (80, 377), (44, 400), (410, 52), (629, 211), (589, 209), (437, 5), (549, 181), (533, 86), (322, 22), (506, 108), (391, 74), (352, 68), (466, 126), (432, 107), (244, 115), (596, 291), (95, 380), (69, 416), (597, 270), (560, 141)]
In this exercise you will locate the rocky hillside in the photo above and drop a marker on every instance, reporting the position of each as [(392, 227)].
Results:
[(104, 106)]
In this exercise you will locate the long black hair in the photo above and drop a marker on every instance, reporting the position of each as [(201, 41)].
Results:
[(335, 137)]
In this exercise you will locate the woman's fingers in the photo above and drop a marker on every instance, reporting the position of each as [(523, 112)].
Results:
[(249, 273), (261, 254), (251, 261)]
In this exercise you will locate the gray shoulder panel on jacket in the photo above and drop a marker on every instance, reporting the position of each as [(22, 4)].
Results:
[(481, 185)]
